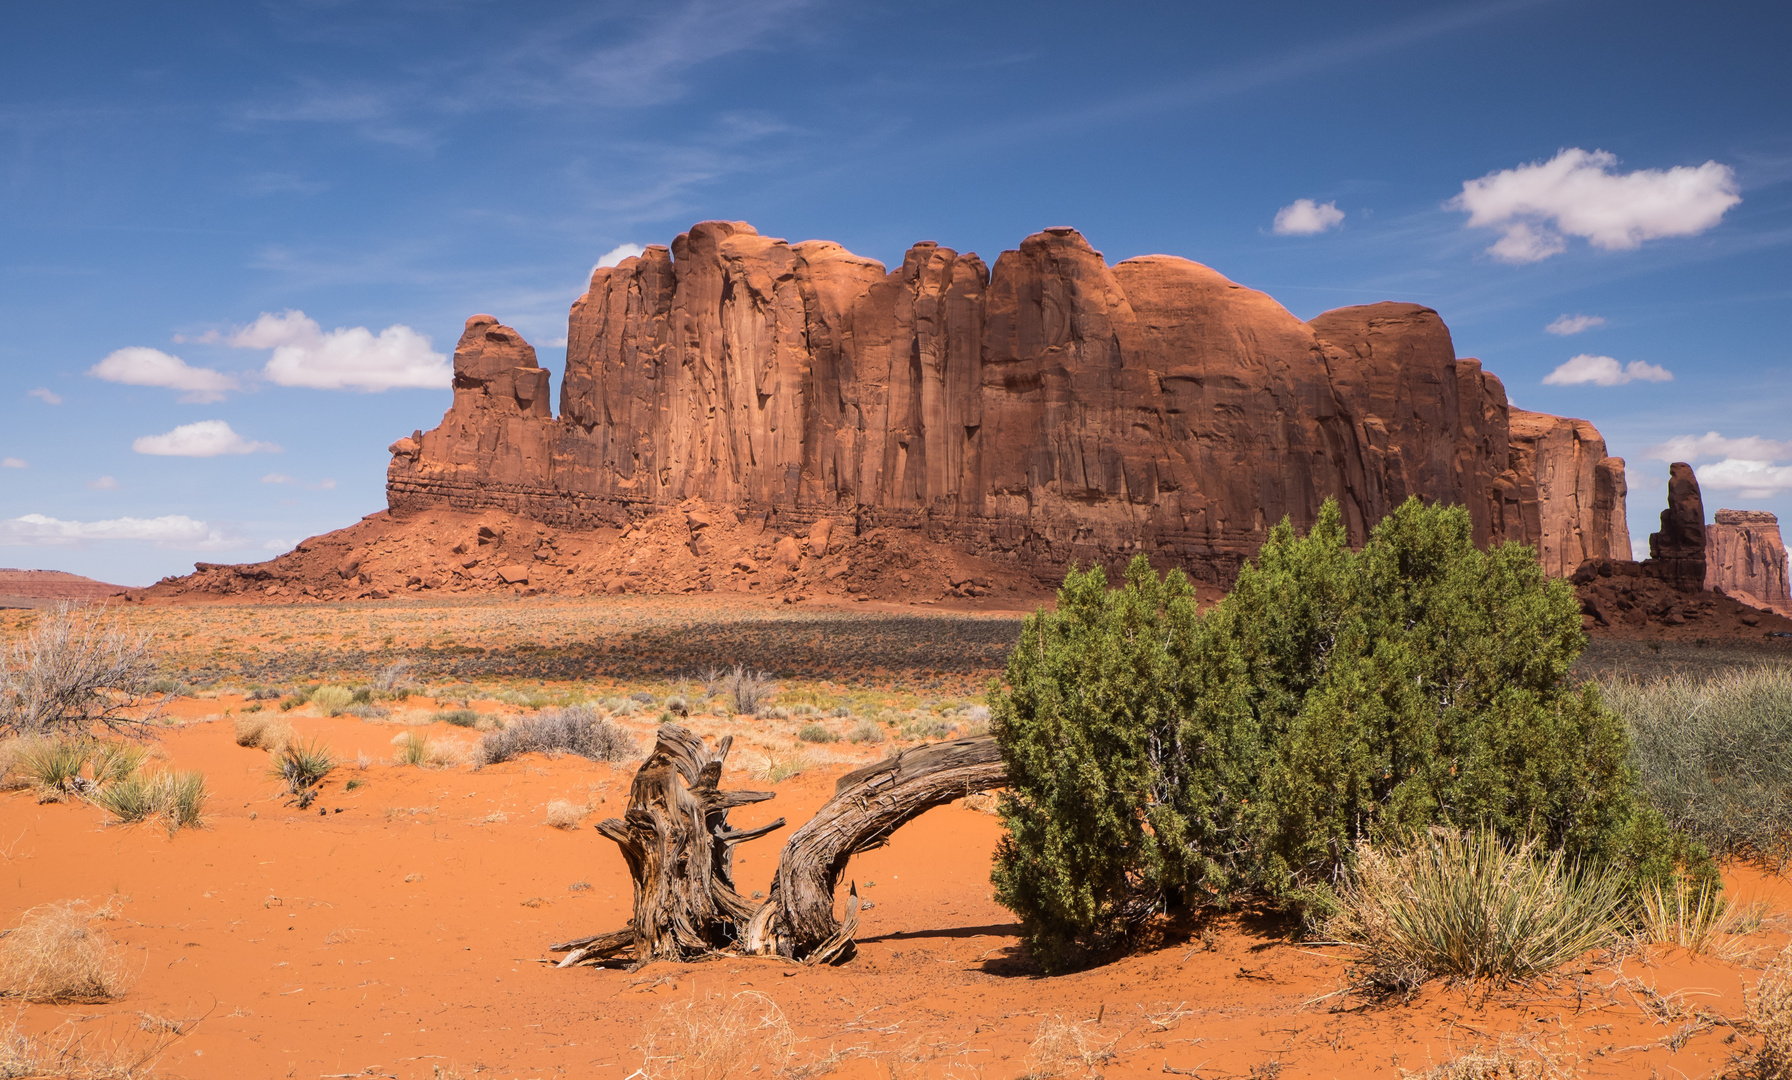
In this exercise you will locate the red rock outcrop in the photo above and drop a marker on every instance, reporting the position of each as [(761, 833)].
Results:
[(1677, 552), (1745, 558), (1050, 409)]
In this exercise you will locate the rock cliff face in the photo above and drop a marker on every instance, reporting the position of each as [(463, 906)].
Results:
[(1047, 409), (1746, 558)]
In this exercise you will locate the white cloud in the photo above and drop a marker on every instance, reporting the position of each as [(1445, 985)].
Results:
[(1604, 371), (207, 438), (172, 531), (282, 478), (1713, 445), (280, 546), (104, 483), (1749, 479), (619, 253), (46, 395), (346, 358), (139, 366), (1639, 547), (1567, 325), (12, 463), (1576, 193), (1304, 217)]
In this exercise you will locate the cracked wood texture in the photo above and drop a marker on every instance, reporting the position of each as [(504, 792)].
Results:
[(868, 805), (680, 851), (678, 845)]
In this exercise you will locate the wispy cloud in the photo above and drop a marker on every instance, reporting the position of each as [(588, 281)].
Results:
[(46, 395), (104, 483), (1567, 325), (1695, 448), (14, 463), (282, 478), (171, 531)]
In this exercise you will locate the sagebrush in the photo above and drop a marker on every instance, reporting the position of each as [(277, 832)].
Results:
[(576, 729)]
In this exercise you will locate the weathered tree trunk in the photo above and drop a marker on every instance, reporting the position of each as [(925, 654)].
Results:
[(868, 805), (679, 849)]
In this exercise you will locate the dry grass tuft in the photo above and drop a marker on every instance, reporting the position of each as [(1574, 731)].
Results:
[(718, 1037), (57, 955), (1062, 1044), (566, 814), (1470, 907), (263, 731), (1769, 1010), (1699, 920)]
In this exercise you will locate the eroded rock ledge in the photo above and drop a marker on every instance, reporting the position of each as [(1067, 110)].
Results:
[(1050, 409)]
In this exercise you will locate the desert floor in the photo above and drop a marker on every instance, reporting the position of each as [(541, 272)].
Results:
[(400, 929)]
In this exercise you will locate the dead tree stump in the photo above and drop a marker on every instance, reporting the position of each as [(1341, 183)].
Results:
[(680, 853), (679, 849)]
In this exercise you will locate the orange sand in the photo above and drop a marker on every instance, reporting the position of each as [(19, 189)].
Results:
[(405, 932)]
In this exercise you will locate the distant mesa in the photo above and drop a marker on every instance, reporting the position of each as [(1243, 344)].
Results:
[(45, 588), (997, 423), (1745, 558)]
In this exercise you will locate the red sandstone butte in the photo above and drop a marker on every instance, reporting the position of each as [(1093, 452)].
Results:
[(1049, 409), (1746, 559)]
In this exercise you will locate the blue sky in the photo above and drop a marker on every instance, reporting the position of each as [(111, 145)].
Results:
[(179, 181)]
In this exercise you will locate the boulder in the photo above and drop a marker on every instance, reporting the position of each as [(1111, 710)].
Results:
[(514, 574)]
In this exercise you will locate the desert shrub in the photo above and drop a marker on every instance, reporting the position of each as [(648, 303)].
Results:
[(771, 712), (252, 708), (576, 729), (57, 955), (1715, 755), (747, 690), (804, 709), (1471, 906), (75, 672), (302, 766), (620, 706), (840, 712), (1159, 757), (524, 699), (816, 733), (458, 717), (643, 697), (332, 700), (865, 732), (368, 712), (265, 693), (392, 679), (929, 728), (288, 704), (677, 705)]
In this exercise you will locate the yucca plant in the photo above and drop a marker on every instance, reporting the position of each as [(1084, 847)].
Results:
[(54, 766), (129, 800), (303, 766), (1697, 917), (180, 798), (1473, 907), (413, 749), (113, 762)]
